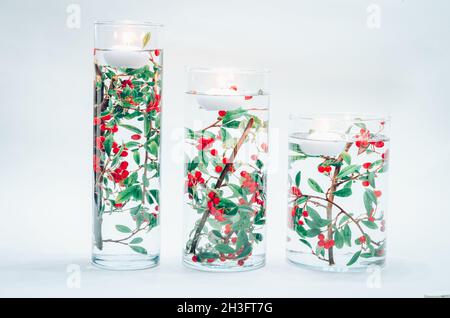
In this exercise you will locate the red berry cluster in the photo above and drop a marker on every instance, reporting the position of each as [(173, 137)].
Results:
[(97, 167), (296, 191), (326, 244), (204, 143), (194, 179), (214, 200), (324, 168), (99, 140), (154, 104), (305, 214), (128, 83), (103, 123), (257, 199), (116, 149), (363, 140), (248, 182), (121, 173)]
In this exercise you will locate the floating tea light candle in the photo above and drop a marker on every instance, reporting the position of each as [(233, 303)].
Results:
[(321, 140), (321, 143), (126, 56), (221, 99), (223, 93)]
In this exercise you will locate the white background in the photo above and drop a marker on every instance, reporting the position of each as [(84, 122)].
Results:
[(323, 57)]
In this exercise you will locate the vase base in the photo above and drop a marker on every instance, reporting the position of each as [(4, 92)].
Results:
[(125, 262), (252, 263), (304, 260)]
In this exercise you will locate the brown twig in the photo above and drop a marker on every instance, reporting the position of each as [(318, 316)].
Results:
[(219, 182), (330, 199)]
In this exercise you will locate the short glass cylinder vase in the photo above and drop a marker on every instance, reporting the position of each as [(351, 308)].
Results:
[(126, 145), (226, 153), (337, 192)]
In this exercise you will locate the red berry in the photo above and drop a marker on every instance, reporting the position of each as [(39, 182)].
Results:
[(321, 243), (233, 87), (328, 169), (216, 201), (222, 113), (294, 211), (114, 144), (124, 174), (248, 97), (211, 195), (224, 161), (377, 193), (136, 137), (264, 147), (371, 219), (210, 260), (97, 121), (198, 174), (379, 144), (107, 117), (234, 240), (218, 169), (240, 262), (358, 144), (115, 129), (305, 213), (118, 205), (124, 154), (362, 239), (195, 258), (321, 237), (123, 165), (157, 52), (116, 150), (321, 169), (213, 152), (244, 174), (300, 222), (367, 165), (365, 183), (296, 191)]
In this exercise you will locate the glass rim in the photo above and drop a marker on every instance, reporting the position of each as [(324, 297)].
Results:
[(341, 116), (127, 23), (234, 70)]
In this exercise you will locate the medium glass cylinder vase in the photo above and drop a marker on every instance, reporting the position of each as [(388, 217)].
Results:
[(226, 147), (126, 145), (337, 191)]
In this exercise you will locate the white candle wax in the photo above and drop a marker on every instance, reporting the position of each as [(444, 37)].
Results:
[(126, 56), (221, 99), (323, 144)]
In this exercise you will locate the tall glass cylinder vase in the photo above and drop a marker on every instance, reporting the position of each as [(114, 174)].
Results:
[(337, 191), (126, 145), (226, 147)]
